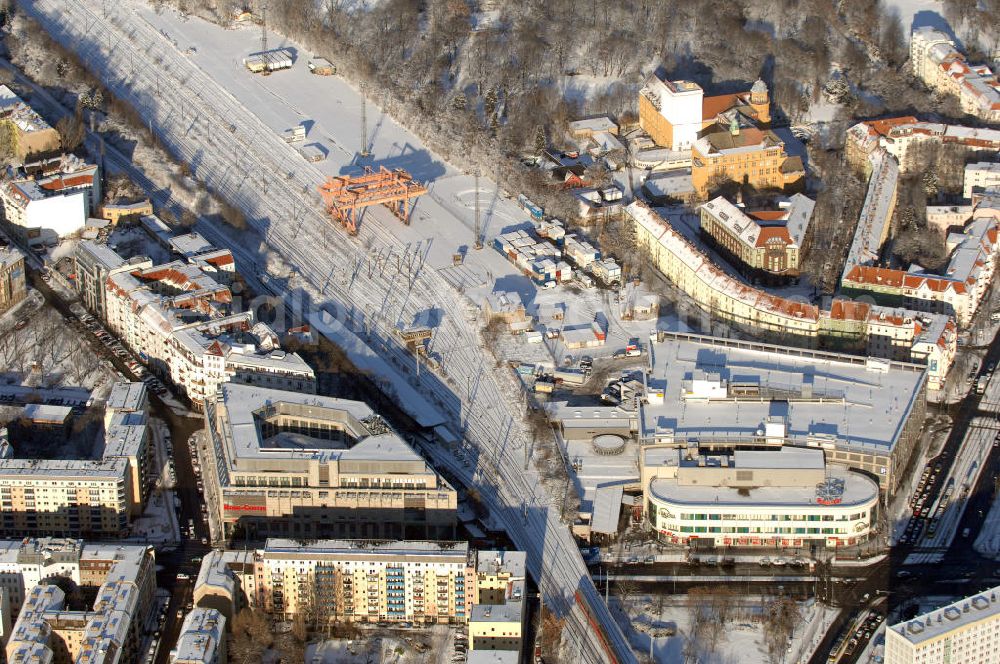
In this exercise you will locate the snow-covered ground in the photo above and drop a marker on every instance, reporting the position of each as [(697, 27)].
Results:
[(437, 643), (46, 356), (443, 221), (742, 640), (158, 522), (201, 119), (919, 13)]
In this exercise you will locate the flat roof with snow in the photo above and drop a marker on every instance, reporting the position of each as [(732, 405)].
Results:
[(956, 615), (725, 390), (400, 550), (37, 412), (607, 508), (854, 488)]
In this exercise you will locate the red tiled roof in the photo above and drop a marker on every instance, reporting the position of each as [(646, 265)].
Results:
[(849, 310), (56, 184), (712, 106), (866, 274), (768, 215), (771, 232), (883, 127)]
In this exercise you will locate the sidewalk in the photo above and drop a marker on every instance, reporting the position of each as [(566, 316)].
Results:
[(159, 520)]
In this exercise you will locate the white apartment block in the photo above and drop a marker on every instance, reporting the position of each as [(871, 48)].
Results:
[(980, 175), (966, 631), (178, 320), (52, 204), (339, 580), (335, 581), (938, 63), (69, 497)]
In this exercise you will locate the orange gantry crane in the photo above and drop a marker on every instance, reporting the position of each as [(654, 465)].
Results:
[(344, 195)]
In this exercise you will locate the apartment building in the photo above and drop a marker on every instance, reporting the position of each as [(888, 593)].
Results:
[(127, 436), (498, 610), (349, 581), (226, 582), (783, 497), (51, 201), (937, 62), (898, 136), (47, 631), (298, 465), (979, 176), (94, 263), (420, 582), (960, 287), (763, 245), (202, 639), (966, 631), (722, 137), (13, 285), (196, 250), (178, 319), (32, 135), (71, 497), (859, 327)]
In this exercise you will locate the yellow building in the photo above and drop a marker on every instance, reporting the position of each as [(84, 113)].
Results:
[(965, 631), (727, 135), (674, 112), (497, 618), (761, 244), (749, 156), (28, 133), (127, 211)]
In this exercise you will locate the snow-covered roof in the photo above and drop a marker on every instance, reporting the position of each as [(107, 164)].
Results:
[(951, 618), (818, 394), (858, 490)]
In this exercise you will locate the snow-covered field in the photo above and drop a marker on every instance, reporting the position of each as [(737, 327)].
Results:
[(742, 640), (918, 13)]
